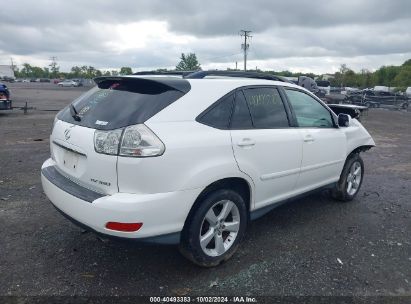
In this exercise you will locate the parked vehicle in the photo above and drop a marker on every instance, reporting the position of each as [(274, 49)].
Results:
[(191, 161), (68, 83), (374, 99), (325, 86), (408, 92), (5, 102), (79, 82), (44, 80), (382, 88)]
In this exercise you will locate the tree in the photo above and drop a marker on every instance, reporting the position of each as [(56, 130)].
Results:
[(76, 71), (407, 63), (26, 70), (403, 79), (126, 71), (188, 62)]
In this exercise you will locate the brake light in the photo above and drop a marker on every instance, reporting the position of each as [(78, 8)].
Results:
[(124, 227)]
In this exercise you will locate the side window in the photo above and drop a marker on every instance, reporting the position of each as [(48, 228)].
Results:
[(266, 108), (309, 112), (219, 116), (241, 118)]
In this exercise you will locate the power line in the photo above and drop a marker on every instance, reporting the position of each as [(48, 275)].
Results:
[(225, 56), (245, 46)]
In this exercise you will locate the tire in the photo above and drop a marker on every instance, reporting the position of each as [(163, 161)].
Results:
[(348, 185), (404, 106), (367, 104), (219, 242)]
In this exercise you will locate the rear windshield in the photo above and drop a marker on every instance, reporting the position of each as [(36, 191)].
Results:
[(118, 103)]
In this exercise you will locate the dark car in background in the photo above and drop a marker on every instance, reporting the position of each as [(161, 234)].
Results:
[(5, 102), (374, 99)]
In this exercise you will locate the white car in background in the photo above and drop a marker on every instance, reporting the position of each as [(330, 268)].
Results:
[(68, 83), (191, 161), (325, 86)]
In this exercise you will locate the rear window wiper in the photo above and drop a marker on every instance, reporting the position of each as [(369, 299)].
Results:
[(74, 113)]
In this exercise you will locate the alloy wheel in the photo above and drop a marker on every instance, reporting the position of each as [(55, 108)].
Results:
[(219, 228), (354, 178)]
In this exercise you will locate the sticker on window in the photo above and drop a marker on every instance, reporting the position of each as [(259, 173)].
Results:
[(101, 123)]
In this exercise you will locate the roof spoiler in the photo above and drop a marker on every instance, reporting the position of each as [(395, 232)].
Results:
[(177, 84)]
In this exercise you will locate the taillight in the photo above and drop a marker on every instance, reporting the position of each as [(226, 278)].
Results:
[(140, 141), (134, 141), (107, 142)]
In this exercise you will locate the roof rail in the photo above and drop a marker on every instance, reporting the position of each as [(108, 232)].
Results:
[(181, 73), (257, 75)]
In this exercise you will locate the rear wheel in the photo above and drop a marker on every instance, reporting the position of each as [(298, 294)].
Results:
[(350, 180), (215, 228)]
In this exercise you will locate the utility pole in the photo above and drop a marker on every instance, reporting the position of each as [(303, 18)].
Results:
[(53, 66), (13, 67), (245, 46), (12, 64)]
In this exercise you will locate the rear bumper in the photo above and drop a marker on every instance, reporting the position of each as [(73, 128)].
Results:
[(162, 214)]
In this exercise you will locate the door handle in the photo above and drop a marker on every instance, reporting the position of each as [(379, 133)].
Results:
[(309, 138), (246, 142)]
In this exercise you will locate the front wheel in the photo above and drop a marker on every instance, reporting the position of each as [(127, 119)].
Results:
[(350, 180), (215, 228)]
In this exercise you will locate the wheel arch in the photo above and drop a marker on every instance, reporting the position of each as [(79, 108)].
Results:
[(359, 149), (238, 184)]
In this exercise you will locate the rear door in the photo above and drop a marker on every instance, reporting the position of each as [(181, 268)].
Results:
[(324, 144), (264, 145), (116, 102), (72, 148)]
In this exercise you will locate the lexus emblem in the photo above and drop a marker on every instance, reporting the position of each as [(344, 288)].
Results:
[(67, 133)]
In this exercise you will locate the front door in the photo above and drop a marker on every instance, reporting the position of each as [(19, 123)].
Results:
[(324, 144), (264, 145)]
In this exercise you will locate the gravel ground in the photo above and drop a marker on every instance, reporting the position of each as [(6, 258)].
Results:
[(312, 246)]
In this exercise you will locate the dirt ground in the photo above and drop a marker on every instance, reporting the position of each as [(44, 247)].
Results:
[(312, 246)]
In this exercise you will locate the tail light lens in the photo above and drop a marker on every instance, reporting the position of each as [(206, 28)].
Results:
[(140, 141), (106, 142), (134, 141)]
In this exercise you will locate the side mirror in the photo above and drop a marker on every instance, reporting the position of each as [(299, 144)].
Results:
[(343, 120)]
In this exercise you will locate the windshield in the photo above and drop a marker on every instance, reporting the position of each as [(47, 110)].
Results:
[(119, 103)]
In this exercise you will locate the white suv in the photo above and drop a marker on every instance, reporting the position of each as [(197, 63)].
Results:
[(191, 161)]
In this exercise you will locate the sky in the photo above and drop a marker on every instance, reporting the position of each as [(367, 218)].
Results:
[(296, 35)]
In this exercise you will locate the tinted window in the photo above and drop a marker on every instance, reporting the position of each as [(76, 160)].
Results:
[(308, 111), (266, 108), (241, 118), (219, 116), (121, 102)]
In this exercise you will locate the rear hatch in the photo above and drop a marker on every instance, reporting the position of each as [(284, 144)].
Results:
[(115, 103)]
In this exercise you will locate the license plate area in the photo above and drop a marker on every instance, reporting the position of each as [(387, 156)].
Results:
[(70, 160)]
